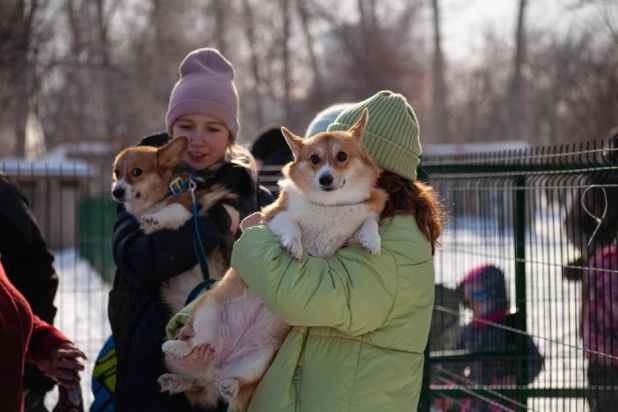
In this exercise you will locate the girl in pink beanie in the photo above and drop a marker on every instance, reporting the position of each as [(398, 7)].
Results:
[(205, 95), (204, 107)]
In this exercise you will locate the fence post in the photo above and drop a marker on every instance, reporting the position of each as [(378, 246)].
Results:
[(520, 282), (424, 403)]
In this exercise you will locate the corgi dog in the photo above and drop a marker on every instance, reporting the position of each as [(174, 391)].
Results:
[(329, 198), (141, 182)]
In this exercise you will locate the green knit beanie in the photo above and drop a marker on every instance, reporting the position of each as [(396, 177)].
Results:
[(391, 135)]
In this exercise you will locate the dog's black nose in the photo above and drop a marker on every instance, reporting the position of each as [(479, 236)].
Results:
[(326, 180), (118, 193)]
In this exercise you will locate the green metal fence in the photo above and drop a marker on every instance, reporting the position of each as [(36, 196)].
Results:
[(547, 219), (96, 223)]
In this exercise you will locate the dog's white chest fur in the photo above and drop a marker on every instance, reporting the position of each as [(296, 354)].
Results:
[(321, 230)]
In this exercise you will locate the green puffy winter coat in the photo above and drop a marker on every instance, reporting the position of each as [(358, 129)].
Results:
[(361, 322)]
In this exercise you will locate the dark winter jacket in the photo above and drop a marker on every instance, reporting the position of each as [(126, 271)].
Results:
[(28, 264), (137, 313)]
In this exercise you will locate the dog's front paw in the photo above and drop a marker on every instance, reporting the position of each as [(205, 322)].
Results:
[(171, 383), (229, 388), (371, 242), (293, 245), (176, 348), (149, 224)]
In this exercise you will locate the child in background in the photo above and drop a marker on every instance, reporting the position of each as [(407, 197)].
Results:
[(484, 292)]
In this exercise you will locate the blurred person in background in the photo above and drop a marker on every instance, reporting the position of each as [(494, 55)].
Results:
[(29, 267), (597, 269), (324, 118), (270, 149)]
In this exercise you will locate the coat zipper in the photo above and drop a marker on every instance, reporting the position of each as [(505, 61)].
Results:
[(297, 387), (297, 371)]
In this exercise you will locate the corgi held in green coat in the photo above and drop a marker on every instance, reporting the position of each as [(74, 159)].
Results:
[(329, 198)]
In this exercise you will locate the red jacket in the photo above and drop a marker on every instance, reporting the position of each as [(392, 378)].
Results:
[(23, 337)]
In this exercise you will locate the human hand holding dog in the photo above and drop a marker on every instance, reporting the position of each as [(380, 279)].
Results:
[(199, 357), (251, 220), (63, 365)]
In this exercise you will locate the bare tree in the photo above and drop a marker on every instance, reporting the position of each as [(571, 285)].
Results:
[(309, 45), (98, 83), (219, 7), (440, 120), (285, 56), (515, 93), (18, 50), (249, 24), (109, 76)]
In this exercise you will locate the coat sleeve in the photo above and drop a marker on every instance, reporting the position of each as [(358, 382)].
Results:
[(352, 291), (44, 339), (148, 260)]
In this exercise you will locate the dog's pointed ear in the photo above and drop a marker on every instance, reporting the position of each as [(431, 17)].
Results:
[(295, 142), (172, 153), (358, 130)]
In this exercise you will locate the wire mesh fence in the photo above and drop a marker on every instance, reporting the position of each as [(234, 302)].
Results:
[(526, 282), (527, 296)]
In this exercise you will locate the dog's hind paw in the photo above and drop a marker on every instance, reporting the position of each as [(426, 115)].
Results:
[(176, 348), (149, 224), (171, 383), (229, 388)]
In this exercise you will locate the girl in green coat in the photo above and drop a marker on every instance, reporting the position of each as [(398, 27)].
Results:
[(360, 322)]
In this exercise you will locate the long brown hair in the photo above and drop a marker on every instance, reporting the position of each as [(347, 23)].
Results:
[(413, 198)]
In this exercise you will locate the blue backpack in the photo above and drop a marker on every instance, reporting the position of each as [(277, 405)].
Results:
[(104, 379)]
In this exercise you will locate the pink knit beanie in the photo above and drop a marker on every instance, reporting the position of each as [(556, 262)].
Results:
[(206, 86)]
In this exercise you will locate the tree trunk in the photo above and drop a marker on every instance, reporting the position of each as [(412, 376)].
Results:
[(75, 76), (515, 100), (107, 78), (102, 31), (21, 115), (440, 124), (370, 60), (220, 25), (287, 81), (249, 24), (315, 67), (24, 20), (74, 26)]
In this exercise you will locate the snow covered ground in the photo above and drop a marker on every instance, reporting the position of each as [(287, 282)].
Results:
[(82, 312)]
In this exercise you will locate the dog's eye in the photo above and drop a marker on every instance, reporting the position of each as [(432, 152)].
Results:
[(341, 156), (136, 172), (116, 173), (315, 159)]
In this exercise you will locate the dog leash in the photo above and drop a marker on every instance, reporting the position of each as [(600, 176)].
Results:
[(177, 186)]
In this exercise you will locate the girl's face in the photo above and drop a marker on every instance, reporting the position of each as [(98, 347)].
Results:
[(208, 139)]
